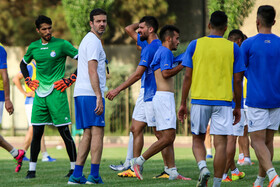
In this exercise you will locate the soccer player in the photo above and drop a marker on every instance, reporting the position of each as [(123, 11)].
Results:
[(143, 112), (131, 31), (29, 94), (89, 99), (211, 63), (237, 37), (164, 103), (261, 56), (5, 98), (50, 106)]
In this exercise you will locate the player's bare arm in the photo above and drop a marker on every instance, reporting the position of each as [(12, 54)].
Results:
[(94, 80), (237, 87), (6, 84), (131, 30), (130, 81), (182, 113)]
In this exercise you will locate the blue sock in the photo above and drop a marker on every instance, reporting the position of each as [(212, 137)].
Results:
[(78, 171), (94, 170)]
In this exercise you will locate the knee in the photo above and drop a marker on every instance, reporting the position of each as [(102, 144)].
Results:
[(135, 130), (157, 134)]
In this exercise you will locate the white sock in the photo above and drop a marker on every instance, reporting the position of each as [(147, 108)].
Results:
[(45, 154), (129, 154), (140, 160), (32, 166), (166, 170), (271, 173), (259, 181), (224, 176), (173, 171), (201, 164), (126, 163), (72, 165), (217, 182), (235, 171), (14, 152), (209, 151), (247, 159), (241, 156)]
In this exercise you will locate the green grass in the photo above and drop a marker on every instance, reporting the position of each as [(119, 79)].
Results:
[(51, 174)]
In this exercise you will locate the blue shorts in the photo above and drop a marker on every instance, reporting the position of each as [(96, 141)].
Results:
[(85, 115)]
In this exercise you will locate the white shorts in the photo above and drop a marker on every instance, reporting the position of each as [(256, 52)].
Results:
[(144, 111), (165, 112), (1, 110), (238, 129), (221, 119), (260, 119), (245, 113), (28, 111)]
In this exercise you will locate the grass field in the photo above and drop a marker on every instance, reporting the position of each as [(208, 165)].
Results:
[(52, 174)]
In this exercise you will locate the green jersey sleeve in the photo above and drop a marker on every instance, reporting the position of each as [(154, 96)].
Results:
[(70, 50), (28, 55)]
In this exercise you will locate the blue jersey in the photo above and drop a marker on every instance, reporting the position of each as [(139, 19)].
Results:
[(238, 66), (142, 44), (147, 56), (163, 59), (262, 59), (3, 65)]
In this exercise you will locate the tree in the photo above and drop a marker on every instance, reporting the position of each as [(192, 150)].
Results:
[(77, 15), (120, 13), (17, 20), (236, 10)]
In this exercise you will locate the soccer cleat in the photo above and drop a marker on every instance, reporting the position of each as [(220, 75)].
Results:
[(256, 186), (30, 174), (240, 162), (19, 159), (138, 171), (180, 177), (227, 179), (120, 167), (92, 180), (163, 175), (78, 180), (25, 159), (275, 182), (203, 178), (69, 173), (238, 176), (209, 156), (48, 159), (127, 173)]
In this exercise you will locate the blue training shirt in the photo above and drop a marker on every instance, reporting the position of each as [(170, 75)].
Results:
[(262, 59), (3, 65), (238, 66), (163, 59), (147, 56), (142, 44)]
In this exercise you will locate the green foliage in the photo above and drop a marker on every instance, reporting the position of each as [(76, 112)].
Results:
[(116, 109), (77, 15), (125, 12), (17, 20), (236, 10)]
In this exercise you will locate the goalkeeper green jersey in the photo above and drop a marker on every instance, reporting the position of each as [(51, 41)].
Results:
[(50, 59)]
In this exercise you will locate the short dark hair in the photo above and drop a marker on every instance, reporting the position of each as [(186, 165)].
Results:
[(150, 21), (95, 12), (266, 13), (236, 34), (218, 20), (167, 30), (42, 19)]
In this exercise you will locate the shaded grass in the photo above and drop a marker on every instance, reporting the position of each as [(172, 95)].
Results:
[(52, 174)]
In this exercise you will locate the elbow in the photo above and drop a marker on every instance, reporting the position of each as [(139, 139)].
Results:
[(165, 75)]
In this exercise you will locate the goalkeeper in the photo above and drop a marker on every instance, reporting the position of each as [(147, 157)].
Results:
[(50, 106)]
